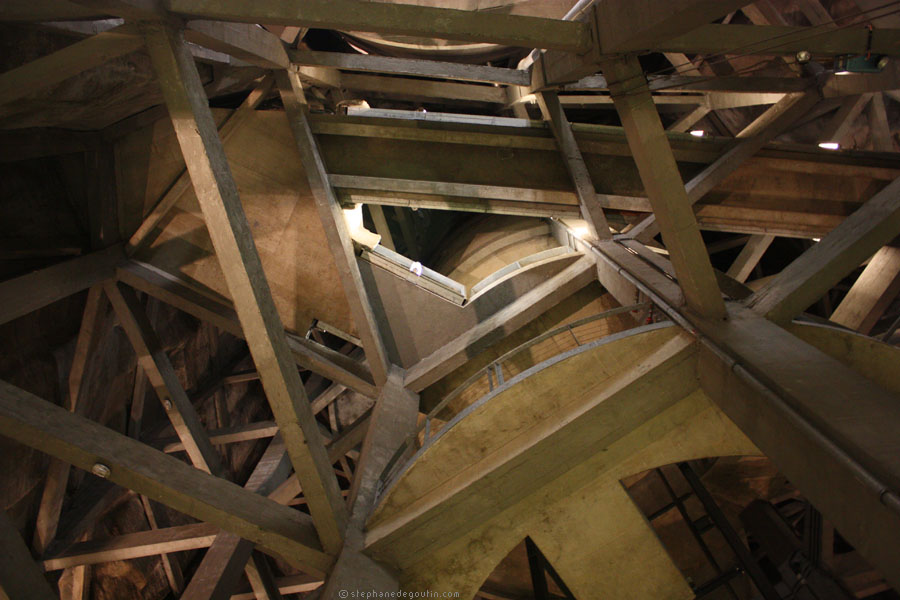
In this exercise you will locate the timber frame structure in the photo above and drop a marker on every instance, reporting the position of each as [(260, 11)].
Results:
[(627, 206)]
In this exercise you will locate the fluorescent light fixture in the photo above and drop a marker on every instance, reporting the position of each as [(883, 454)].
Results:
[(817, 239), (698, 133), (829, 146)]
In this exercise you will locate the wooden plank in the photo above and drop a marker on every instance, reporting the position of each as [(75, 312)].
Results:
[(243, 272), (664, 186), (688, 119), (158, 368), (371, 63), (872, 293), (29, 420), (625, 27), (749, 257), (56, 67), (808, 277), (27, 293), (228, 435), (500, 324), (591, 212), (306, 353), (443, 23), (335, 226), (20, 576), (58, 473)]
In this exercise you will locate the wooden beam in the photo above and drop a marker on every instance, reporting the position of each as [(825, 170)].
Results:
[(443, 23), (167, 540), (779, 40), (249, 43), (34, 422), (221, 567), (872, 293), (626, 27), (806, 279), (20, 576), (56, 67), (381, 226), (58, 473), (335, 226), (757, 134), (261, 578), (27, 293), (158, 368), (371, 63), (141, 237), (879, 126), (840, 123), (306, 353), (230, 234), (423, 88), (664, 186), (749, 257), (499, 325), (591, 212), (170, 563), (688, 119)]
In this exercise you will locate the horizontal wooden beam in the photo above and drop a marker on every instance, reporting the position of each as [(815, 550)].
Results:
[(28, 293), (423, 88), (39, 424), (371, 63), (776, 40), (494, 328), (398, 19)]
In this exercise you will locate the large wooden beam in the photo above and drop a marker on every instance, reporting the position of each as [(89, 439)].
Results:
[(371, 63), (68, 62), (502, 323), (664, 186), (871, 294), (28, 293), (20, 576), (799, 405), (246, 42), (857, 238), (377, 17), (626, 27), (230, 234), (335, 225), (588, 200), (779, 40), (307, 353), (156, 365), (39, 424), (752, 138)]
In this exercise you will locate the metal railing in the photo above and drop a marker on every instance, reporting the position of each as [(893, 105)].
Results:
[(494, 374)]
